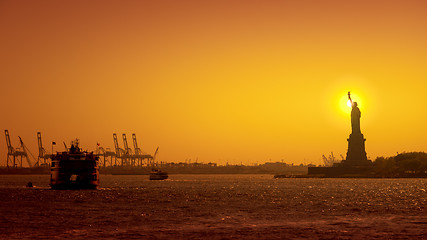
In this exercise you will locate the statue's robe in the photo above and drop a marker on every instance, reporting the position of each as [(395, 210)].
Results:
[(355, 120)]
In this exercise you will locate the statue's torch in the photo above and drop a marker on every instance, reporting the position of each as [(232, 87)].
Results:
[(350, 104)]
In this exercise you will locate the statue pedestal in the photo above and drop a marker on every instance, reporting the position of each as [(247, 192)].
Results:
[(356, 154)]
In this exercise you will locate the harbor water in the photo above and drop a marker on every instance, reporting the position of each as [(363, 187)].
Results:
[(214, 207)]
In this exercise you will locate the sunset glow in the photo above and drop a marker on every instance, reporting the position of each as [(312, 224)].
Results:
[(216, 81)]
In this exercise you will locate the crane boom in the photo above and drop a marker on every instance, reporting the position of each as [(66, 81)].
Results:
[(24, 148), (155, 154)]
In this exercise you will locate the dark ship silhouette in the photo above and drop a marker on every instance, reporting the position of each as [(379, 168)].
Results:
[(74, 169), (157, 174)]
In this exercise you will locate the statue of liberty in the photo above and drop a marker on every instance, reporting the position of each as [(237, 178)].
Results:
[(355, 117), (356, 154)]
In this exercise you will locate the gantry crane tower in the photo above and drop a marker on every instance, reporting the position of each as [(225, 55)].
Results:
[(13, 153), (139, 155), (130, 160), (137, 150), (42, 152), (120, 153)]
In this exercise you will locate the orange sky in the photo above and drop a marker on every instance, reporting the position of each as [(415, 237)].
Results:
[(221, 81)]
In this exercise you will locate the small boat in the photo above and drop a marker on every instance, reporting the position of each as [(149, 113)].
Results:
[(74, 169), (157, 174)]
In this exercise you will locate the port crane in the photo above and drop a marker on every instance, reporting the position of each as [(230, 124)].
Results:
[(154, 157), (128, 156), (26, 150), (42, 152), (137, 150), (107, 153), (329, 161), (139, 155), (120, 153), (13, 154)]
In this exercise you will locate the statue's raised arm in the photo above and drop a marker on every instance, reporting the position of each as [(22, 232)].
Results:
[(349, 98)]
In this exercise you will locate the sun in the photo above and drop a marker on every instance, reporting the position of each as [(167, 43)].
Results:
[(360, 92), (345, 104)]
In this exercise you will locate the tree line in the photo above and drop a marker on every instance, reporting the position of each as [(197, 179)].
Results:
[(407, 164)]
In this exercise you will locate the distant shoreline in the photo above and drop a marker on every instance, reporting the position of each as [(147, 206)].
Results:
[(343, 176)]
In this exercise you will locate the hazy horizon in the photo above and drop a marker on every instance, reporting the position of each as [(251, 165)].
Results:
[(217, 81)]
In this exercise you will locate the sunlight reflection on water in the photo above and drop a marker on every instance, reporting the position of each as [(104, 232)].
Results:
[(215, 206)]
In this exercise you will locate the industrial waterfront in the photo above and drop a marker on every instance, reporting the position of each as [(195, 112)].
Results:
[(132, 161), (125, 157)]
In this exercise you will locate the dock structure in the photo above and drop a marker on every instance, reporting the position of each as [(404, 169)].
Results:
[(125, 157), (107, 156)]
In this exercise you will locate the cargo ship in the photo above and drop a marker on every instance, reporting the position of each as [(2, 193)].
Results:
[(74, 169)]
